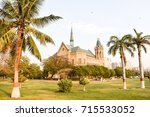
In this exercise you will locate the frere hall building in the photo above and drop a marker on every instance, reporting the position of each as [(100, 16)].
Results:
[(78, 56)]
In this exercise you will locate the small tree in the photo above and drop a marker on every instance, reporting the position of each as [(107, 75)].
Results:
[(54, 64), (65, 85), (84, 82)]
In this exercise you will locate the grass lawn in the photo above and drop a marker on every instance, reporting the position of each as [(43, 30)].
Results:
[(96, 90)]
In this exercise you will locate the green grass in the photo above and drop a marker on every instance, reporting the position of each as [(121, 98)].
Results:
[(96, 90)]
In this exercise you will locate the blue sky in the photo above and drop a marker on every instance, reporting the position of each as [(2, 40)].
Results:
[(92, 19)]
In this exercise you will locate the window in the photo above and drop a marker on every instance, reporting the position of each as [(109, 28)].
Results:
[(79, 61), (84, 61), (72, 61)]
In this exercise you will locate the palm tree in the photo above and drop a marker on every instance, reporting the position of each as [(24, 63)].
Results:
[(16, 20), (121, 45), (140, 41)]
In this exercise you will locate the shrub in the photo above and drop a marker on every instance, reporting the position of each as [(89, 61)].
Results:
[(84, 82), (65, 85)]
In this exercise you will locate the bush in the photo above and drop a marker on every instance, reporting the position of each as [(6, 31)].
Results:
[(65, 85), (84, 81)]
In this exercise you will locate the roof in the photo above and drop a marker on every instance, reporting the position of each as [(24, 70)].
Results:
[(78, 49), (98, 44)]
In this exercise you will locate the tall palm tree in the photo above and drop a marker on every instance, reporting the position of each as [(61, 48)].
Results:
[(121, 45), (17, 18), (140, 41)]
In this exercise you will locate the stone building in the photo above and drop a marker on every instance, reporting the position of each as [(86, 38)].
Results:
[(79, 56)]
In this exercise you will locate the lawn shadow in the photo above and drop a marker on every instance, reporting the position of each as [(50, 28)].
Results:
[(5, 92)]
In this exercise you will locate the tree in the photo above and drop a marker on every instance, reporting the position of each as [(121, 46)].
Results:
[(121, 45), (147, 74), (53, 64), (17, 19), (24, 66), (118, 71), (140, 41), (112, 72), (84, 82), (129, 73), (29, 70), (106, 72), (6, 70)]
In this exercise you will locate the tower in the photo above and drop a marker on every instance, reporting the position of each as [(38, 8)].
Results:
[(71, 38), (99, 51)]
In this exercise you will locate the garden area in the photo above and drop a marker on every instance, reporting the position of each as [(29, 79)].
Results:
[(95, 90), (20, 25)]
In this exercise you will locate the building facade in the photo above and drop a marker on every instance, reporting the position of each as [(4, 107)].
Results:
[(79, 56)]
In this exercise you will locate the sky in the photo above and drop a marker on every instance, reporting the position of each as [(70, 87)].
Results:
[(92, 19)]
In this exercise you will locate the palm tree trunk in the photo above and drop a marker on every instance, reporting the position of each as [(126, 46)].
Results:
[(123, 73), (16, 88), (141, 68)]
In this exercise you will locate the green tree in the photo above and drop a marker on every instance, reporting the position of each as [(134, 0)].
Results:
[(84, 82), (34, 71), (121, 45), (130, 73), (140, 41), (17, 19), (112, 72), (53, 64), (76, 71), (24, 66), (118, 71), (30, 71), (106, 72), (147, 74)]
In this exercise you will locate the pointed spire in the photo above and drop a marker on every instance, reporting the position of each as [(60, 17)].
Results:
[(98, 44), (71, 38)]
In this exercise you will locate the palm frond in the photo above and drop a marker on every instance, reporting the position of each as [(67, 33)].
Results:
[(130, 51), (24, 45), (20, 10), (138, 34), (146, 37), (127, 37), (43, 38), (13, 48), (144, 48), (33, 48), (112, 50), (115, 38), (4, 22), (5, 14), (41, 22), (33, 8), (10, 8), (7, 37), (111, 42), (145, 41), (135, 31)]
